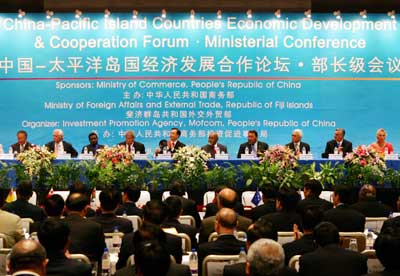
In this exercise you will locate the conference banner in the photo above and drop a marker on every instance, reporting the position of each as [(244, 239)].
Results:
[(230, 75)]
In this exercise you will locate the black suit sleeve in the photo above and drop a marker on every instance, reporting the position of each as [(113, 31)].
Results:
[(241, 150)]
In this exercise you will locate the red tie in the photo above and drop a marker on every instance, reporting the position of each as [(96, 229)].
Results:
[(129, 148)]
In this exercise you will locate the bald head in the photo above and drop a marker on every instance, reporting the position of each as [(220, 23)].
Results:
[(226, 198), (76, 202), (226, 219), (212, 138), (129, 137), (28, 255)]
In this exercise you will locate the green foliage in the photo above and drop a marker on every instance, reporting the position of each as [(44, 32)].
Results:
[(5, 180), (158, 175), (64, 174), (328, 174), (219, 176)]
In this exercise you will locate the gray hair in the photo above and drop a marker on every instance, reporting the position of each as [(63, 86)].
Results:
[(297, 131), (59, 132), (266, 257)]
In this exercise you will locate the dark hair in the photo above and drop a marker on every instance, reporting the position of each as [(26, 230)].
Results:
[(262, 229), (314, 186), (269, 192), (148, 232), (177, 188), (78, 187), (311, 217), (133, 193), (254, 132), (154, 211), (152, 258), (23, 259), (22, 132), (24, 189), (92, 133), (3, 196), (344, 193), (174, 206), (387, 246), (177, 131), (288, 198), (109, 199), (76, 202), (163, 143), (326, 233), (54, 205), (342, 130), (53, 235)]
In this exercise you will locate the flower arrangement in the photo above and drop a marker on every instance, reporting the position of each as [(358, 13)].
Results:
[(283, 156), (116, 156), (35, 160), (365, 156)]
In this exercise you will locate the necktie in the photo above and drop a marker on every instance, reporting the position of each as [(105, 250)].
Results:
[(129, 148), (213, 151)]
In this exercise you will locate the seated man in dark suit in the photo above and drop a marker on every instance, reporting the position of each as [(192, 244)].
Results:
[(148, 233), (132, 145), (392, 222), (329, 258), (80, 188), (54, 234), (173, 143), (27, 258), (93, 144), (109, 200), (345, 218), (269, 194), (129, 198), (87, 236), (152, 258), (226, 243), (297, 146), (21, 207), (343, 146), (226, 199), (212, 207), (189, 206), (285, 216), (368, 205), (312, 190), (213, 145), (311, 217), (54, 208), (174, 211), (254, 146), (154, 212), (59, 146), (22, 142)]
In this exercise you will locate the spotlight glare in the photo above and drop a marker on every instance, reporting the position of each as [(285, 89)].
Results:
[(337, 14), (278, 13), (107, 13), (164, 13), (307, 13), (192, 14), (249, 14), (21, 13), (49, 14), (78, 14), (392, 14), (219, 14), (135, 14), (363, 14)]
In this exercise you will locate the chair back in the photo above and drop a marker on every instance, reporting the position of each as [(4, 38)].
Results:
[(374, 265), (294, 262), (375, 224), (63, 194), (136, 221), (359, 236), (3, 260), (189, 220), (26, 223), (247, 196), (213, 265), (80, 257), (143, 199), (240, 235), (167, 194), (327, 195), (3, 241), (286, 237), (186, 242), (113, 240), (208, 197)]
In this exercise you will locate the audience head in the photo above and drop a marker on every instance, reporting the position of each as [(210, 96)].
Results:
[(326, 233), (131, 193), (367, 192), (226, 221), (341, 194), (54, 234), (287, 199), (226, 198), (174, 207), (261, 229), (312, 188), (265, 257), (311, 217), (109, 199), (54, 206), (28, 255), (77, 202), (24, 190), (149, 232), (268, 192), (154, 212), (152, 258), (177, 188), (387, 246), (79, 187)]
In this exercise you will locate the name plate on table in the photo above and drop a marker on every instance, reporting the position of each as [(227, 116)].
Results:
[(224, 156), (164, 156), (140, 156), (392, 156), (88, 156), (64, 156), (307, 156), (333, 156), (248, 157), (7, 156)]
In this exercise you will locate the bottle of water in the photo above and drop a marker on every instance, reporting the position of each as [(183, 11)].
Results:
[(85, 151), (335, 150), (116, 241), (105, 263), (165, 150), (1, 149), (10, 151), (193, 262), (303, 150), (124, 215), (353, 245), (217, 150), (370, 239), (242, 255), (246, 151), (386, 151)]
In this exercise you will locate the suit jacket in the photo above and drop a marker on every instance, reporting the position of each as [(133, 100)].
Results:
[(372, 208), (178, 145), (59, 265), (212, 209), (189, 208), (333, 260), (240, 270), (130, 208), (302, 145), (392, 222), (11, 227), (68, 148), (87, 237), (174, 246), (182, 228), (224, 245), (298, 247), (210, 149), (91, 148), (16, 148), (314, 201), (330, 147), (24, 209), (264, 209), (110, 221), (139, 147), (283, 221), (386, 272), (207, 227), (261, 147), (345, 218), (174, 270)]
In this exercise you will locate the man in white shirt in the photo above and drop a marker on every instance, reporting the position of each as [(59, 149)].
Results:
[(297, 145)]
